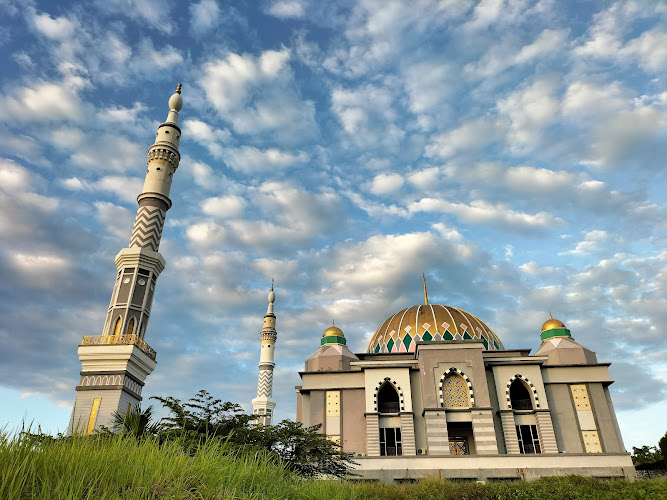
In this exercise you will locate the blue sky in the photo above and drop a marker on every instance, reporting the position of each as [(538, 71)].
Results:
[(513, 150)]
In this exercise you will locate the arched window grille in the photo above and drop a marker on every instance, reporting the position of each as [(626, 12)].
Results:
[(455, 392), (388, 401), (130, 327), (520, 396)]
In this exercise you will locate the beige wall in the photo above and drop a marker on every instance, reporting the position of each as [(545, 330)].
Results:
[(317, 409), (564, 418), (495, 406), (418, 409), (354, 424), (604, 419), (433, 363), (374, 376), (503, 373)]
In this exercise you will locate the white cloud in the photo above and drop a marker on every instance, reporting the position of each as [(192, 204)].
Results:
[(585, 97), (13, 176), (368, 117), (120, 114), (429, 86), (252, 160), (425, 178), (287, 9), (483, 212), (529, 110), (470, 136), (204, 16), (109, 153), (209, 137), (148, 58), (59, 28), (505, 55), (154, 14), (115, 220), (386, 183), (591, 242), (258, 94), (223, 206), (651, 50), (205, 234), (125, 188), (42, 102)]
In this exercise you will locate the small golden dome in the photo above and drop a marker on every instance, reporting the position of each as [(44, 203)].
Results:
[(552, 323), (333, 331)]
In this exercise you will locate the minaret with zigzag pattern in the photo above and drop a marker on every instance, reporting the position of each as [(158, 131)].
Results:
[(115, 364)]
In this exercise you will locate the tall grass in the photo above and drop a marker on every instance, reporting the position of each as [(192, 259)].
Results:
[(106, 467), (120, 467)]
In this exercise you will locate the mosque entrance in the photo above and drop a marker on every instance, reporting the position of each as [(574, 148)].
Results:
[(461, 440)]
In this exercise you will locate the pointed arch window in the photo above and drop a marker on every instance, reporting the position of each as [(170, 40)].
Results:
[(130, 327), (520, 396), (116, 328), (388, 401), (455, 392)]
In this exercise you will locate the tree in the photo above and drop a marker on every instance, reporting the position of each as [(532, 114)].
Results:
[(646, 455), (203, 415), (303, 449), (662, 444), (135, 422)]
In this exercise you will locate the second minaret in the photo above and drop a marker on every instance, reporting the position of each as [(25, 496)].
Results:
[(264, 404)]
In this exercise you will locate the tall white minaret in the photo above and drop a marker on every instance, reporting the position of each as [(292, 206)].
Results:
[(116, 363), (263, 405)]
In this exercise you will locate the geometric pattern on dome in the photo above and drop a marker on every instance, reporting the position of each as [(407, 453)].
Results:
[(430, 323)]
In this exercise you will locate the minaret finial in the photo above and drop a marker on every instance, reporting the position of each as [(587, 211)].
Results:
[(271, 284), (178, 88), (425, 294)]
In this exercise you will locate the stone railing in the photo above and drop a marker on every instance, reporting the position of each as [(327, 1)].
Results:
[(120, 340)]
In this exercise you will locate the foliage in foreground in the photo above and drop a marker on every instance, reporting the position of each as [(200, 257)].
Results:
[(120, 466), (301, 449)]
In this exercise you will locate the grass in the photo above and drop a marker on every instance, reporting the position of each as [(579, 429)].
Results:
[(120, 467)]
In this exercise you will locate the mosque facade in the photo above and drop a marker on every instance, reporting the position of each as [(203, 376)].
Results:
[(437, 394)]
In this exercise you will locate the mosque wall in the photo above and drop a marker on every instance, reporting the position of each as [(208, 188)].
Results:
[(604, 419), (353, 421), (564, 418)]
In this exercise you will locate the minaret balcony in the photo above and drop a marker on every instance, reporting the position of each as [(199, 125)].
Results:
[(120, 340)]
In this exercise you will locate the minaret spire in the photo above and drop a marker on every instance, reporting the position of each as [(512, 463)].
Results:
[(116, 363), (264, 404)]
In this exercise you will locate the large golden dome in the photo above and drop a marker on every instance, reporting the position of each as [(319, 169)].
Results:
[(431, 322)]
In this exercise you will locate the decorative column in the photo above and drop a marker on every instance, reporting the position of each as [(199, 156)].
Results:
[(408, 434), (437, 437), (509, 432), (484, 432), (263, 405), (372, 435), (116, 363), (545, 429)]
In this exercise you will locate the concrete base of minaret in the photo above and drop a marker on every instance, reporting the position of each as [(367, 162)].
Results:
[(263, 407), (113, 371)]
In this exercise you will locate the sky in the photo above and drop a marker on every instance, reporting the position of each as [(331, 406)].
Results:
[(512, 150)]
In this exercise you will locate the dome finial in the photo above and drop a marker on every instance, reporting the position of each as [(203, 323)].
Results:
[(425, 294)]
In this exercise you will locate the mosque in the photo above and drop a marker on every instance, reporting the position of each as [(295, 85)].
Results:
[(435, 394)]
